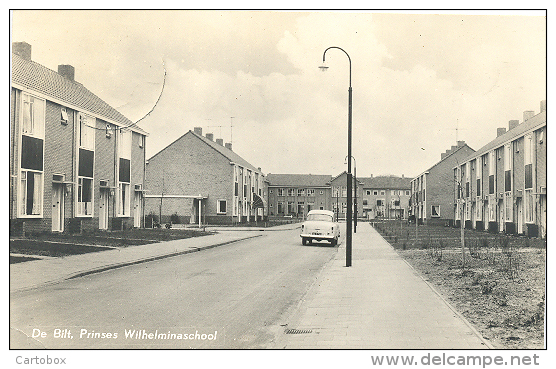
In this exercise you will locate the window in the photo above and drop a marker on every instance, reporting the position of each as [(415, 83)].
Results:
[(291, 207), (33, 116), (321, 192), (280, 208), (382, 193), (301, 192), (435, 211), (270, 191), (86, 132), (392, 192), (32, 160), (124, 198), (368, 192), (344, 191), (479, 211), (491, 208), (375, 193), (31, 193), (407, 192), (124, 173), (310, 192), (221, 207), (528, 143), (291, 191), (84, 196), (529, 206), (508, 167), (141, 141), (365, 202), (280, 192), (491, 172), (300, 207), (380, 202)]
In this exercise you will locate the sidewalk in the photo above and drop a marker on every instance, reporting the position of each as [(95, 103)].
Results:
[(37, 273), (380, 302)]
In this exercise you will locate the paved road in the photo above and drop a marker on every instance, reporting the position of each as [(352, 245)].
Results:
[(233, 296)]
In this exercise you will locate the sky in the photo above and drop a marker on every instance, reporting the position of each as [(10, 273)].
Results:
[(421, 81)]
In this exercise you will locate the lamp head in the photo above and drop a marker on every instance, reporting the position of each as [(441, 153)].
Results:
[(323, 67)]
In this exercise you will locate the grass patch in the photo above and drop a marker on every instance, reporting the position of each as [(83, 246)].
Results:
[(62, 244)]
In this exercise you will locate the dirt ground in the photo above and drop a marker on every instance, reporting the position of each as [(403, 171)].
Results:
[(502, 295)]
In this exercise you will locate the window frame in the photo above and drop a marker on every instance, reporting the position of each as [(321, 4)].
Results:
[(219, 206), (36, 131)]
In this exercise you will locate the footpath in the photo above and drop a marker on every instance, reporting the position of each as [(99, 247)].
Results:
[(380, 302), (33, 274)]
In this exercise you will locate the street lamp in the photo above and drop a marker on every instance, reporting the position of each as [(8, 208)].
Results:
[(349, 178), (355, 197)]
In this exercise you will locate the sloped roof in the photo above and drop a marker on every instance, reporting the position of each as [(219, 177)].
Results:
[(298, 180), (34, 76), (452, 153), (386, 182), (229, 154), (532, 123), (222, 150)]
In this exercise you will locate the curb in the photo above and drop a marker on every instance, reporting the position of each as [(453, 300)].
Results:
[(128, 263)]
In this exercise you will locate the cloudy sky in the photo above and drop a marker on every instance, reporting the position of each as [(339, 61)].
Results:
[(416, 77)]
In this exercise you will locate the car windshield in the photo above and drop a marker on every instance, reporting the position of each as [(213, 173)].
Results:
[(320, 217)]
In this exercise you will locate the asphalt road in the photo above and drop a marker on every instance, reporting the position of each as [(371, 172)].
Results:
[(233, 296)]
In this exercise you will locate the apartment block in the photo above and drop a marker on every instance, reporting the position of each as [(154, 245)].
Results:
[(501, 188), (76, 163)]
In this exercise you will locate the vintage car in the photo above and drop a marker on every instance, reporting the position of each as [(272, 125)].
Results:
[(320, 226)]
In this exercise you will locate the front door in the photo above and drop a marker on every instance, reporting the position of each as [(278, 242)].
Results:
[(137, 209), (57, 208), (519, 215), (501, 216), (103, 209)]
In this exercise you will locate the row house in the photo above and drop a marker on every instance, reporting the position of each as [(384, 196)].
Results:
[(197, 179), (432, 199), (502, 187), (297, 194), (385, 197), (339, 195), (75, 162)]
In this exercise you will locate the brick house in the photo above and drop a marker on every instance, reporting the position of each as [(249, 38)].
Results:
[(339, 195), (297, 194), (432, 195), (198, 180), (75, 162), (385, 197), (502, 186)]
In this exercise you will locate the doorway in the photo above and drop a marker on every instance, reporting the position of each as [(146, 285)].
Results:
[(137, 209), (103, 209), (57, 207)]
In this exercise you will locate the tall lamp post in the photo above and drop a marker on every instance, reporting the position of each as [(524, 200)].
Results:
[(349, 177), (354, 197)]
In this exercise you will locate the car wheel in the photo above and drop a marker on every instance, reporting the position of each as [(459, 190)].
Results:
[(304, 241), (333, 242)]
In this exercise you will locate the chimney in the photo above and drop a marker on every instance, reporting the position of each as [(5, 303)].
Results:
[(528, 114), (500, 131), (220, 141), (210, 136), (512, 124), (543, 105), (403, 176), (198, 131), (453, 148), (461, 143), (67, 71), (443, 155), (229, 146), (22, 49)]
